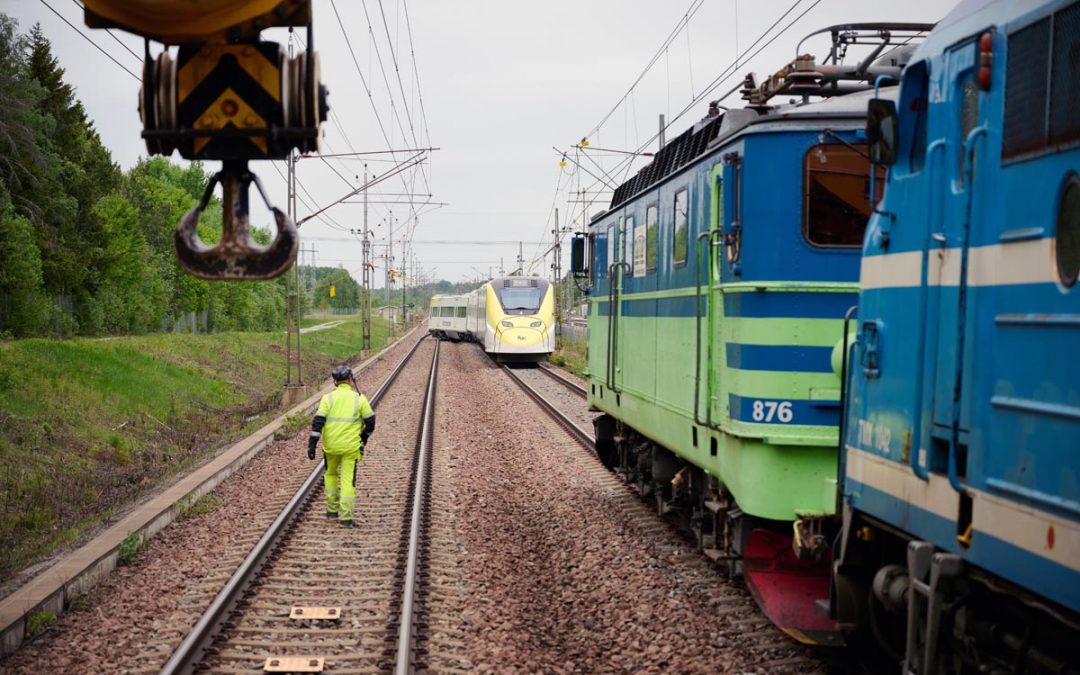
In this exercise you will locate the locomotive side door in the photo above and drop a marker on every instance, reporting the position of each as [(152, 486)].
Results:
[(713, 302), (956, 92)]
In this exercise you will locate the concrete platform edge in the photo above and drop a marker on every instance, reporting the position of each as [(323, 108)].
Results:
[(75, 574)]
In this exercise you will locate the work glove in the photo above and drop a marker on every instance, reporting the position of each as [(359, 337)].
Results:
[(312, 442)]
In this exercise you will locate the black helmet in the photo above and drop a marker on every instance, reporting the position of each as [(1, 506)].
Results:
[(341, 373)]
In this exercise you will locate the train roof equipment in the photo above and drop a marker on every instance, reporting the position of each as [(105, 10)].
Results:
[(893, 45)]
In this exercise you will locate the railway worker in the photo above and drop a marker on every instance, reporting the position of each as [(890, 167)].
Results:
[(344, 421)]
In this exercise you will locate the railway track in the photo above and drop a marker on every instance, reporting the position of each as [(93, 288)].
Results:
[(312, 595), (777, 652), (552, 372)]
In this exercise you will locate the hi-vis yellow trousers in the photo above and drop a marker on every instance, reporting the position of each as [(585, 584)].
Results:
[(341, 494)]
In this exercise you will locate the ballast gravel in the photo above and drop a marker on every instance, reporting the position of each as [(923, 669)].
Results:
[(566, 572)]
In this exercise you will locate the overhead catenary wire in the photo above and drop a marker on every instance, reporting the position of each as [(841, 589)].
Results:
[(684, 21), (386, 79), (113, 36), (91, 41), (725, 75), (368, 90)]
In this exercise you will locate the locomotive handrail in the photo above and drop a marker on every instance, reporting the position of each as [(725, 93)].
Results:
[(841, 468), (614, 291), (961, 318), (708, 234), (916, 467)]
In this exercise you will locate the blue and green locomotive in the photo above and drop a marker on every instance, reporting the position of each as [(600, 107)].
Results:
[(720, 278), (960, 545)]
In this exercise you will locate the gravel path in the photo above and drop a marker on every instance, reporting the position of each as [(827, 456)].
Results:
[(133, 619), (566, 570)]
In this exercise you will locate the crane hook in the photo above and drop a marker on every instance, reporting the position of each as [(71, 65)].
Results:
[(236, 256)]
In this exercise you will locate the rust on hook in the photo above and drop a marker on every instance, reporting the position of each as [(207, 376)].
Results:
[(237, 256)]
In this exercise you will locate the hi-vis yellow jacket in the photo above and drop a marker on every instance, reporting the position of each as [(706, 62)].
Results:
[(345, 412)]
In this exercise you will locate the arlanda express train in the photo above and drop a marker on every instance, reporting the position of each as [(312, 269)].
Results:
[(938, 529), (513, 318), (446, 317)]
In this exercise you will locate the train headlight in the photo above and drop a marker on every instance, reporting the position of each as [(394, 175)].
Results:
[(506, 324), (536, 324)]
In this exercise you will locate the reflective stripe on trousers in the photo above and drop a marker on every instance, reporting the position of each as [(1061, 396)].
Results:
[(341, 490)]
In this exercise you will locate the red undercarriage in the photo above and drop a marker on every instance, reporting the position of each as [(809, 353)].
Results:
[(788, 589)]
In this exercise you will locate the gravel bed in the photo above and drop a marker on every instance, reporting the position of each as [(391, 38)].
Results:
[(133, 618), (568, 375), (559, 395), (566, 571)]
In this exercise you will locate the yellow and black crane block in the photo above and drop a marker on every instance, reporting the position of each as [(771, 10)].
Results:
[(225, 95), (230, 87), (232, 101)]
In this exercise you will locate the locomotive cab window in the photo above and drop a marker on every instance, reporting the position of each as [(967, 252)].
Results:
[(836, 195), (651, 214), (679, 233)]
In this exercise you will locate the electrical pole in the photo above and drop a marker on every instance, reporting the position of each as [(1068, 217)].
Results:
[(365, 299), (294, 388), (558, 277), (389, 272)]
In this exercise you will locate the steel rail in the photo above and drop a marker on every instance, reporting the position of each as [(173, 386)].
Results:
[(554, 374), (189, 656), (580, 435), (403, 662)]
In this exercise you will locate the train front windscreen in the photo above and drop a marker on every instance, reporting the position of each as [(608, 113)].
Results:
[(522, 299)]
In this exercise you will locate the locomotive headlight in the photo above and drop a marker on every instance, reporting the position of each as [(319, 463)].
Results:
[(536, 324), (506, 324)]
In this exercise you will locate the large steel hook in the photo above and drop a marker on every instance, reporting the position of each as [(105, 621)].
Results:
[(236, 256)]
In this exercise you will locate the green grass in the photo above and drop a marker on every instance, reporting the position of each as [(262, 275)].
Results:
[(39, 622), (292, 426), (88, 425), (129, 549), (201, 506), (570, 356)]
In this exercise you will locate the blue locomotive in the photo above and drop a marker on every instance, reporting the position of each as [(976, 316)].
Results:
[(960, 463)]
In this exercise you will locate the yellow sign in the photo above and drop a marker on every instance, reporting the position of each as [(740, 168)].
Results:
[(333, 291)]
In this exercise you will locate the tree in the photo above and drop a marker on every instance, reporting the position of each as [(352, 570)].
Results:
[(24, 311)]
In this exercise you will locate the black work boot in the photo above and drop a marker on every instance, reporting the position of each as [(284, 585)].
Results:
[(347, 523)]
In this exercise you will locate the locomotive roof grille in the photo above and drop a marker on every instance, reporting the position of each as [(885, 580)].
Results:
[(683, 149)]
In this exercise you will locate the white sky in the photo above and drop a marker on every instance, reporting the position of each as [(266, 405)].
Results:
[(502, 81)]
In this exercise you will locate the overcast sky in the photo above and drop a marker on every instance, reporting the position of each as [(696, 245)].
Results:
[(501, 82)]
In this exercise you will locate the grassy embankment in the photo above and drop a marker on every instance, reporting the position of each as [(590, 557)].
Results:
[(570, 355), (88, 425)]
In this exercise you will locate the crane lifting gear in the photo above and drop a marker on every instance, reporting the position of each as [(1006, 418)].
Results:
[(225, 96)]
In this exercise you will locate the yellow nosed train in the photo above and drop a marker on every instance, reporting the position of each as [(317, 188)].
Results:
[(513, 318)]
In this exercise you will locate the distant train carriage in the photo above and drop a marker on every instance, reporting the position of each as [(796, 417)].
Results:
[(960, 550), (721, 275), (446, 317), (513, 318)]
